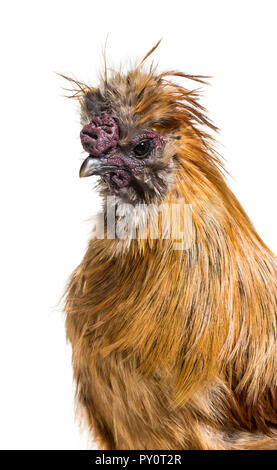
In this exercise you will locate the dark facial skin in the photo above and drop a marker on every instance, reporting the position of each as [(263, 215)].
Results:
[(118, 165), (100, 135)]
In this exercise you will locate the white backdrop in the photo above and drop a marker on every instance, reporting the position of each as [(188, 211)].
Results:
[(45, 207)]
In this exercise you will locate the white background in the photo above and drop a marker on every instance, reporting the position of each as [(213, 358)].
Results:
[(45, 208)]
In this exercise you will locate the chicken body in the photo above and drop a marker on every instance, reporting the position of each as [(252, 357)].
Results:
[(172, 349)]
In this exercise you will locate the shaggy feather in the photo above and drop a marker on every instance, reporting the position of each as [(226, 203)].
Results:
[(175, 349)]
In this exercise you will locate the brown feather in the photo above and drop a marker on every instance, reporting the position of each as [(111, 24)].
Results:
[(177, 349)]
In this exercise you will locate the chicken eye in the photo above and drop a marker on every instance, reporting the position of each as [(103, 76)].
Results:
[(142, 148)]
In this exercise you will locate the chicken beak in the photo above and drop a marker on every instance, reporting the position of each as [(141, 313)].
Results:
[(90, 166), (94, 166)]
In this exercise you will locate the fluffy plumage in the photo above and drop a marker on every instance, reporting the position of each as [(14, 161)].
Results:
[(174, 349)]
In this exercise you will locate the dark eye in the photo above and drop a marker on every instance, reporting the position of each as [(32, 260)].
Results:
[(142, 148)]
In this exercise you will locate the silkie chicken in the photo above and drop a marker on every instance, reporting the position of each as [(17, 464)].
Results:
[(171, 348)]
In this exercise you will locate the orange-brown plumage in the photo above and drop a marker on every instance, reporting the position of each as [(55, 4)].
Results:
[(175, 349)]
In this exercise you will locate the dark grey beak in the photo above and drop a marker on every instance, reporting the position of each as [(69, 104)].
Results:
[(90, 166), (94, 166)]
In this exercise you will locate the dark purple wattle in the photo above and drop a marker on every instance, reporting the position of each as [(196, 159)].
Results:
[(100, 135)]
